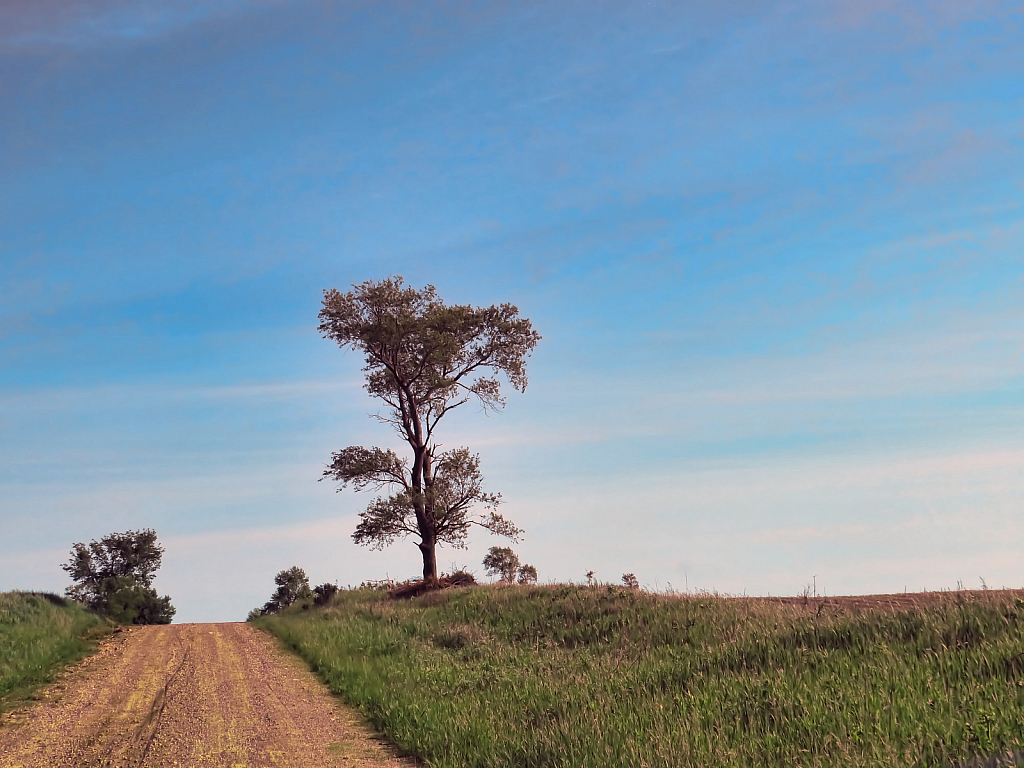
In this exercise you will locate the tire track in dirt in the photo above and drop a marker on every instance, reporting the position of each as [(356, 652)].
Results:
[(190, 696)]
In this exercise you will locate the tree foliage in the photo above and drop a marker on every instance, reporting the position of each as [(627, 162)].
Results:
[(322, 593), (527, 574), (114, 577), (424, 359), (503, 562), (292, 585)]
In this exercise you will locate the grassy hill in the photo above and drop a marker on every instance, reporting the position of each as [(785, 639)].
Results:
[(39, 634), (578, 676)]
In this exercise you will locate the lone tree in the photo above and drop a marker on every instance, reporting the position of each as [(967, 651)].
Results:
[(114, 577), (423, 360), (503, 562), (527, 574)]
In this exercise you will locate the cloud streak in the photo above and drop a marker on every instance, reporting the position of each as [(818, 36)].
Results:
[(64, 23)]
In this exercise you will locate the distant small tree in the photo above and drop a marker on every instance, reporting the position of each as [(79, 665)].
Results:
[(114, 577), (630, 580), (591, 581), (292, 585), (527, 574), (503, 562)]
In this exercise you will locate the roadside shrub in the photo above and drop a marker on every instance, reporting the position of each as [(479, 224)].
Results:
[(322, 593), (292, 585), (127, 602), (527, 574), (114, 577)]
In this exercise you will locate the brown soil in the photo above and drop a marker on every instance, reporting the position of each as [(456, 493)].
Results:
[(194, 696)]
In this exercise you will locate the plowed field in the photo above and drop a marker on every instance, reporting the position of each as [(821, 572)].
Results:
[(190, 695)]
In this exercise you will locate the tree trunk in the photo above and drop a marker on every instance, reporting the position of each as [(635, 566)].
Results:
[(428, 548)]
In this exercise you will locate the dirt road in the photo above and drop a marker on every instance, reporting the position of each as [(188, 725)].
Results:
[(194, 696)]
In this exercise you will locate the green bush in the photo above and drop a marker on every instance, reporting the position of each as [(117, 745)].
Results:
[(114, 577), (292, 586), (126, 602), (322, 593)]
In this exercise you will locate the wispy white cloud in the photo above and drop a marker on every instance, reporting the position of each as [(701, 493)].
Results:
[(927, 20), (760, 526), (151, 393), (768, 525), (61, 23)]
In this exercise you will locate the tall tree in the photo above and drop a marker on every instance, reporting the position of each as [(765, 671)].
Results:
[(423, 360)]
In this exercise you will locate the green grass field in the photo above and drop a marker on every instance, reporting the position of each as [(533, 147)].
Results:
[(578, 676), (39, 634)]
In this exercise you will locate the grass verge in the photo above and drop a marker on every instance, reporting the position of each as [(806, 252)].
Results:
[(595, 677), (40, 633)]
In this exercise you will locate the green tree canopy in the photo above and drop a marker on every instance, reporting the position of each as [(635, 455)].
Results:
[(114, 577), (503, 562), (527, 574), (292, 585)]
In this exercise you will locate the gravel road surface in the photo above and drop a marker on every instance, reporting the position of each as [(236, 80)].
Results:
[(190, 695)]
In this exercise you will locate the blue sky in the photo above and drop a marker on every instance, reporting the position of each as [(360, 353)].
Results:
[(774, 251)]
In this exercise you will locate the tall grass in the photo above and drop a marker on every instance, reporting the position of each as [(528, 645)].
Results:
[(40, 633), (577, 676)]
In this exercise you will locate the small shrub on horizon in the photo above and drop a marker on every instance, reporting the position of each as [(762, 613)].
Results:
[(322, 593), (630, 580), (292, 585), (527, 574), (377, 585), (503, 562)]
